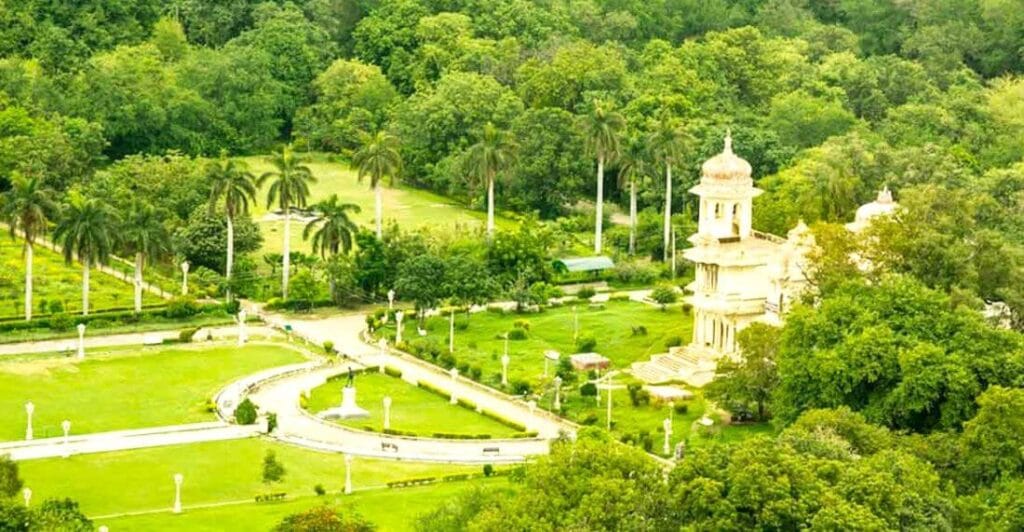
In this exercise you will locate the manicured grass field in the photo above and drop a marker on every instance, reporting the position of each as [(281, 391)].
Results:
[(479, 344), (412, 409), (53, 280), (411, 208), (125, 388), (230, 472)]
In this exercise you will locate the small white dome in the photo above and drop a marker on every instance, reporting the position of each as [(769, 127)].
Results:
[(883, 205), (726, 166)]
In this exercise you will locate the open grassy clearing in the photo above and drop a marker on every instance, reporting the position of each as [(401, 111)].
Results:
[(225, 472), (125, 388), (413, 409), (411, 208), (55, 282)]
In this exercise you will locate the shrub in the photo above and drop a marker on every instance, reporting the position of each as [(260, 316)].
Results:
[(181, 308), (687, 308), (663, 295), (588, 390), (488, 470), (463, 368), (639, 330), (635, 273), (61, 322), (232, 307), (245, 413), (271, 422), (55, 307), (521, 387), (393, 372), (319, 490), (618, 297), (517, 334), (673, 341), (475, 372), (522, 324), (185, 336), (681, 408), (586, 344), (447, 361), (637, 395), (586, 292), (590, 419), (329, 347)]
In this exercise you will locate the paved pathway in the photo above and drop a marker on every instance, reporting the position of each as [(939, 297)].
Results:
[(144, 338), (102, 442)]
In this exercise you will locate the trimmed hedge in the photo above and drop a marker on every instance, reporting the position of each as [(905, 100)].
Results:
[(270, 497), (64, 322)]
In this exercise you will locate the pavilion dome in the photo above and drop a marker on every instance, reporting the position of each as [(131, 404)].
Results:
[(882, 206), (726, 166)]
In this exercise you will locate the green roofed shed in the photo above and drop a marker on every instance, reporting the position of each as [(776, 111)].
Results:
[(583, 264)]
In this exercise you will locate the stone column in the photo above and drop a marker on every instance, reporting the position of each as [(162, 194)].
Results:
[(178, 479), (398, 326)]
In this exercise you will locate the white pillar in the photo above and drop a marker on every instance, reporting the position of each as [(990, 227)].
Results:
[(81, 341), (66, 425), (391, 299), (398, 326), (383, 344), (184, 278), (178, 479), (348, 474), (30, 408), (387, 412)]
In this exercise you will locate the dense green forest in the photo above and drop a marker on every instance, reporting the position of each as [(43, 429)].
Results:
[(899, 405)]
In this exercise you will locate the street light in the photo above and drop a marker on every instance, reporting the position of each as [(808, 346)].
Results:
[(27, 494), (398, 326), (81, 341), (29, 410), (66, 425), (348, 474), (558, 394), (184, 278), (391, 299), (387, 412), (178, 479)]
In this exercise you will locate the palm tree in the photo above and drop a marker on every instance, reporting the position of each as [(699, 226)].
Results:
[(601, 130), (290, 188), (26, 207), (486, 159), (632, 171), (233, 183), (87, 230), (332, 229), (144, 235), (668, 143), (378, 158)]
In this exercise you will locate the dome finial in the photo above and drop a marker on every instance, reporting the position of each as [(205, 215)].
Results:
[(728, 140)]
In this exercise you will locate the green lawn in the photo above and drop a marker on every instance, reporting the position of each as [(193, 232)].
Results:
[(412, 409), (225, 472), (479, 343), (410, 207), (125, 388), (53, 280)]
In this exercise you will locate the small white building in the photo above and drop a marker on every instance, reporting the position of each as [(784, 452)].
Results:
[(741, 275)]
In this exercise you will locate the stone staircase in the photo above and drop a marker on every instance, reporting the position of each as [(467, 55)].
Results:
[(691, 365)]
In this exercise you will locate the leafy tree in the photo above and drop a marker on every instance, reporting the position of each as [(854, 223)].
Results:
[(752, 376), (332, 229), (289, 187), (27, 208), (601, 128), (493, 154), (418, 282), (548, 173), (87, 230), (992, 444), (323, 519), (203, 239), (232, 183), (60, 514), (144, 235), (378, 157), (10, 481), (273, 470), (802, 120)]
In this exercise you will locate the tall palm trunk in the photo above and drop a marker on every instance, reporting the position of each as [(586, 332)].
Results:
[(379, 205), (85, 287), (668, 209), (138, 282), (231, 256), (599, 217), (490, 207), (632, 217), (286, 268), (28, 280)]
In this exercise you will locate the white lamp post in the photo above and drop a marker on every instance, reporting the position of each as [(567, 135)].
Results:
[(348, 474), (504, 368), (558, 394), (103, 528), (391, 299), (242, 338), (575, 325), (667, 425), (184, 278), (29, 410), (27, 494), (454, 372), (178, 479), (451, 333), (383, 345), (387, 412), (81, 341), (66, 425), (398, 326)]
